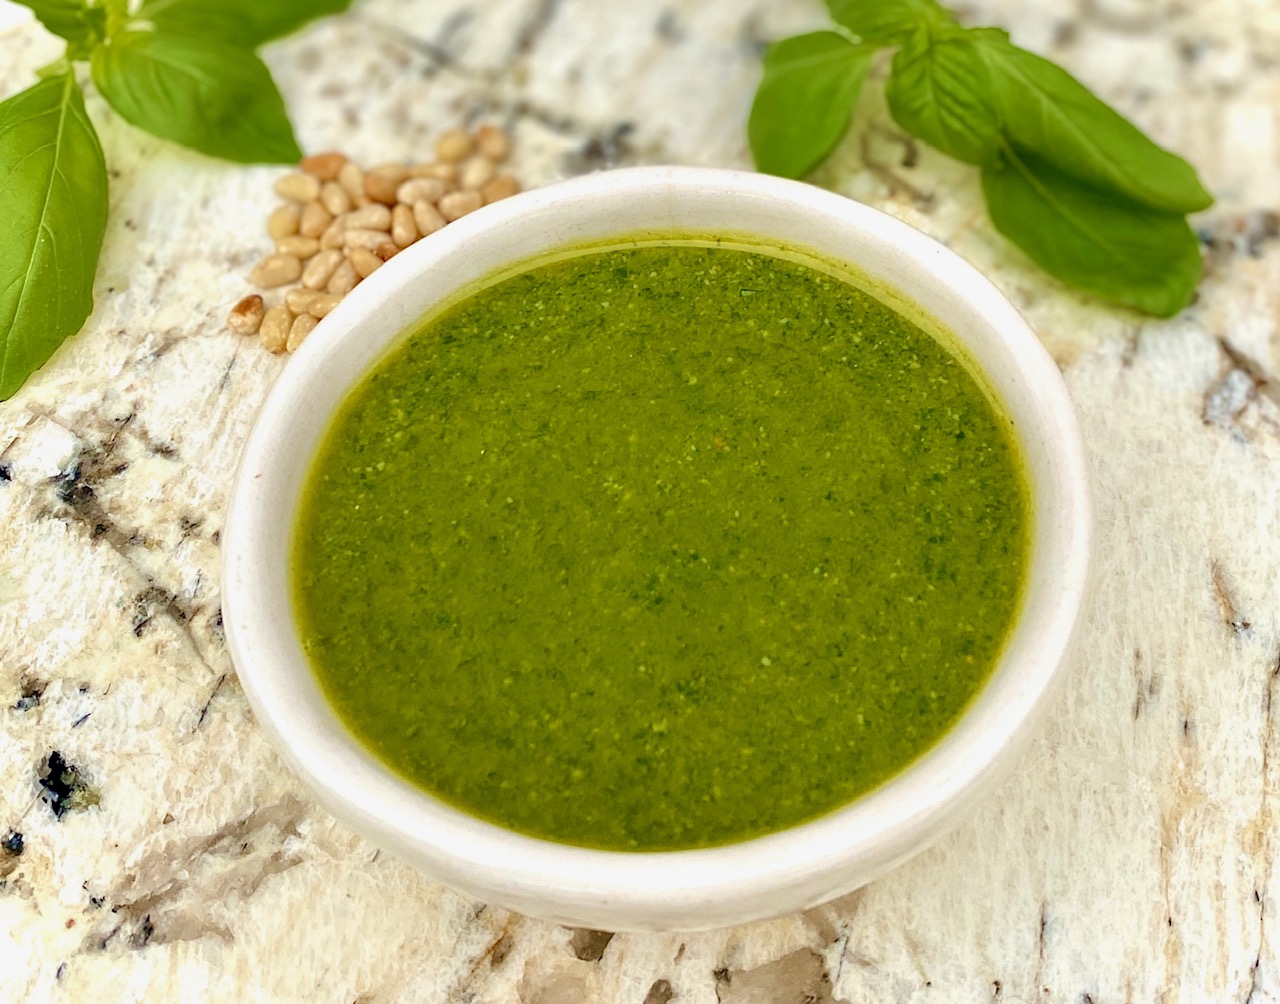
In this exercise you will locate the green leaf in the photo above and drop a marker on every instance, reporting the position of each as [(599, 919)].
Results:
[(887, 22), (117, 14), (940, 90), (1092, 239), (60, 67), (53, 199), (204, 94), (805, 100), (246, 23), (1047, 111), (70, 19)]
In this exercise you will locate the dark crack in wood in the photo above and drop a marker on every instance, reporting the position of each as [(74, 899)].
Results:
[(1227, 603), (660, 993), (501, 944), (1148, 685), (752, 37), (77, 491), (1269, 708), (841, 956), (437, 53), (1252, 368), (1041, 947), (910, 147), (1250, 234), (668, 27), (589, 945), (1239, 383), (534, 27), (153, 908), (498, 952), (602, 150), (30, 690), (897, 184), (212, 694)]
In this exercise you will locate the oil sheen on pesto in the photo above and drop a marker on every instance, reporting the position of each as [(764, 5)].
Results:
[(658, 547)]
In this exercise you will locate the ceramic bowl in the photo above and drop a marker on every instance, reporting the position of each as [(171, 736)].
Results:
[(790, 870)]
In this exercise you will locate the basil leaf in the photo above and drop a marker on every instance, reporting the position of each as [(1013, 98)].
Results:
[(205, 94), (887, 22), (1047, 111), (805, 101), (69, 19), (246, 23), (1095, 240), (60, 67), (940, 90), (53, 200)]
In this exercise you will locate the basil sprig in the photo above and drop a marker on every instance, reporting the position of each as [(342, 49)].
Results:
[(53, 195), (1080, 189), (183, 70)]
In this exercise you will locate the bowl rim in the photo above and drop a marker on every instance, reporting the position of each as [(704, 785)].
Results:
[(759, 877)]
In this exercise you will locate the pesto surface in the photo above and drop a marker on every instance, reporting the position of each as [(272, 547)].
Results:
[(659, 547)]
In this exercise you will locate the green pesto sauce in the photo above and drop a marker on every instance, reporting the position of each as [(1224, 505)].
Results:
[(658, 547)]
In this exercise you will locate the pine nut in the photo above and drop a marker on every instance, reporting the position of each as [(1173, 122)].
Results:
[(371, 217), (320, 269), (391, 169), (453, 146), (367, 239), (324, 166), (332, 237), (323, 304), (298, 246), (274, 333), (404, 231), (456, 205), (427, 217), (493, 142), (343, 280), (341, 223), (502, 187), (365, 262), (298, 187), (380, 188), (299, 299), (352, 179), (283, 222), (421, 190), (275, 270), (448, 173), (476, 173), (381, 183), (246, 316), (335, 198), (302, 326), (315, 218)]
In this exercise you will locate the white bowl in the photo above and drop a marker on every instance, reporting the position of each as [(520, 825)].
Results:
[(785, 871)]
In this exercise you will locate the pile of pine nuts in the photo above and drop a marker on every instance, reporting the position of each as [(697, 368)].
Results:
[(339, 224)]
